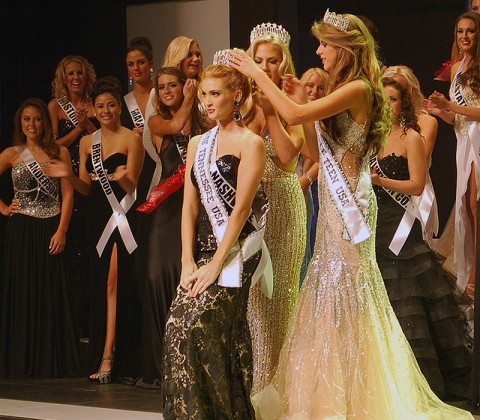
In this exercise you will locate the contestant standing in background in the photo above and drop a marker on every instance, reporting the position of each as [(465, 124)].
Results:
[(207, 353), (177, 118), (346, 355), (110, 164), (419, 290), (463, 111), (286, 222), (184, 53), (72, 116), (38, 331)]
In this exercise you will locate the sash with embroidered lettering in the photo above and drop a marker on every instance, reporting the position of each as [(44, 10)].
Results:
[(411, 212), (148, 143), (216, 193), (134, 110), (46, 184), (118, 217), (349, 205), (69, 109)]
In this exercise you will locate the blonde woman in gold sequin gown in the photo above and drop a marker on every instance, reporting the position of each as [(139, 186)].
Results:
[(346, 355), (285, 234)]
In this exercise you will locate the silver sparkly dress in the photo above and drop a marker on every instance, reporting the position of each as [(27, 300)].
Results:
[(285, 237), (346, 356), (38, 334)]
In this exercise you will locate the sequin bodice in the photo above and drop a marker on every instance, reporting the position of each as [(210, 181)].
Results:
[(269, 147), (33, 200)]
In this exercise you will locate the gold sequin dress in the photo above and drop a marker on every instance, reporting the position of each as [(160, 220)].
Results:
[(285, 237), (346, 355)]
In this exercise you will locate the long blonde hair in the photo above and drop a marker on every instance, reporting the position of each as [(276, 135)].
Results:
[(286, 67), (356, 59), (177, 51), (59, 88)]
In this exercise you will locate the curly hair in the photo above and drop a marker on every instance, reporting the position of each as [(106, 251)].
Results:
[(47, 143), (407, 106), (412, 84), (471, 76), (356, 59), (59, 88)]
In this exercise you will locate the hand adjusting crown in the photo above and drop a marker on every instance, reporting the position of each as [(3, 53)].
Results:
[(337, 21), (270, 29)]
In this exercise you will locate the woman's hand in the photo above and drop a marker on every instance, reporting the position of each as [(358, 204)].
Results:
[(190, 88), (57, 243), (120, 173), (203, 277), (439, 101), (82, 117), (187, 270), (12, 208), (262, 101), (58, 169), (241, 61), (294, 90), (375, 178)]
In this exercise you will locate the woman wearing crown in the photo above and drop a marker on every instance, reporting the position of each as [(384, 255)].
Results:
[(346, 355), (286, 222)]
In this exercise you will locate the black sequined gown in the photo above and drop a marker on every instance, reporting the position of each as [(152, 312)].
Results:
[(158, 267), (38, 332), (128, 315), (207, 354), (421, 294)]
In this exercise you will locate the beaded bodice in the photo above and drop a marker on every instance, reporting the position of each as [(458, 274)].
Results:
[(269, 147), (33, 200)]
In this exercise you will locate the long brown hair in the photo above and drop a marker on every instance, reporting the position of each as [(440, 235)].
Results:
[(356, 59), (471, 76), (47, 142)]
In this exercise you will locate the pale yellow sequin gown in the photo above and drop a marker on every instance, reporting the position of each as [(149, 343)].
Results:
[(346, 356), (285, 237)]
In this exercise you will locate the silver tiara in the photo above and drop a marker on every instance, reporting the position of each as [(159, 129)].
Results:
[(337, 21), (270, 29), (222, 57)]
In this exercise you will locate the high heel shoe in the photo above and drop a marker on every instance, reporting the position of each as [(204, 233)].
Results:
[(103, 376)]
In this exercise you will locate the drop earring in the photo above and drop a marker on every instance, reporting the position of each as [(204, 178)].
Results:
[(130, 81), (236, 113), (401, 119)]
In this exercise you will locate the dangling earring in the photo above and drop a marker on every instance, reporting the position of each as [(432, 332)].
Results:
[(130, 81), (151, 73), (401, 119), (236, 113)]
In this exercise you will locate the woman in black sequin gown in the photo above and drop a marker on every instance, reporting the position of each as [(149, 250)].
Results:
[(38, 332), (207, 367), (73, 84), (114, 307), (159, 253), (419, 290)]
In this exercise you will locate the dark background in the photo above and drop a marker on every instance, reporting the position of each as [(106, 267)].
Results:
[(35, 35)]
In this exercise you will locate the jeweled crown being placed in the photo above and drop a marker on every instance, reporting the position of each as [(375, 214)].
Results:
[(337, 21), (270, 29), (221, 57)]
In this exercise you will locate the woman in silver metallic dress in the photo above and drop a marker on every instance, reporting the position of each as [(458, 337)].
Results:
[(37, 330)]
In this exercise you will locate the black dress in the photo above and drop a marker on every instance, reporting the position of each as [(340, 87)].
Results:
[(421, 295), (128, 316), (207, 354), (38, 333), (158, 267)]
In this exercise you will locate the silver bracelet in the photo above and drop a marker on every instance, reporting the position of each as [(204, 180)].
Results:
[(309, 178)]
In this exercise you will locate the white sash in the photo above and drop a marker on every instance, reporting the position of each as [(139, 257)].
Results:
[(355, 227), (411, 212), (148, 143), (134, 110), (231, 274), (69, 109), (181, 141), (118, 217), (46, 184)]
